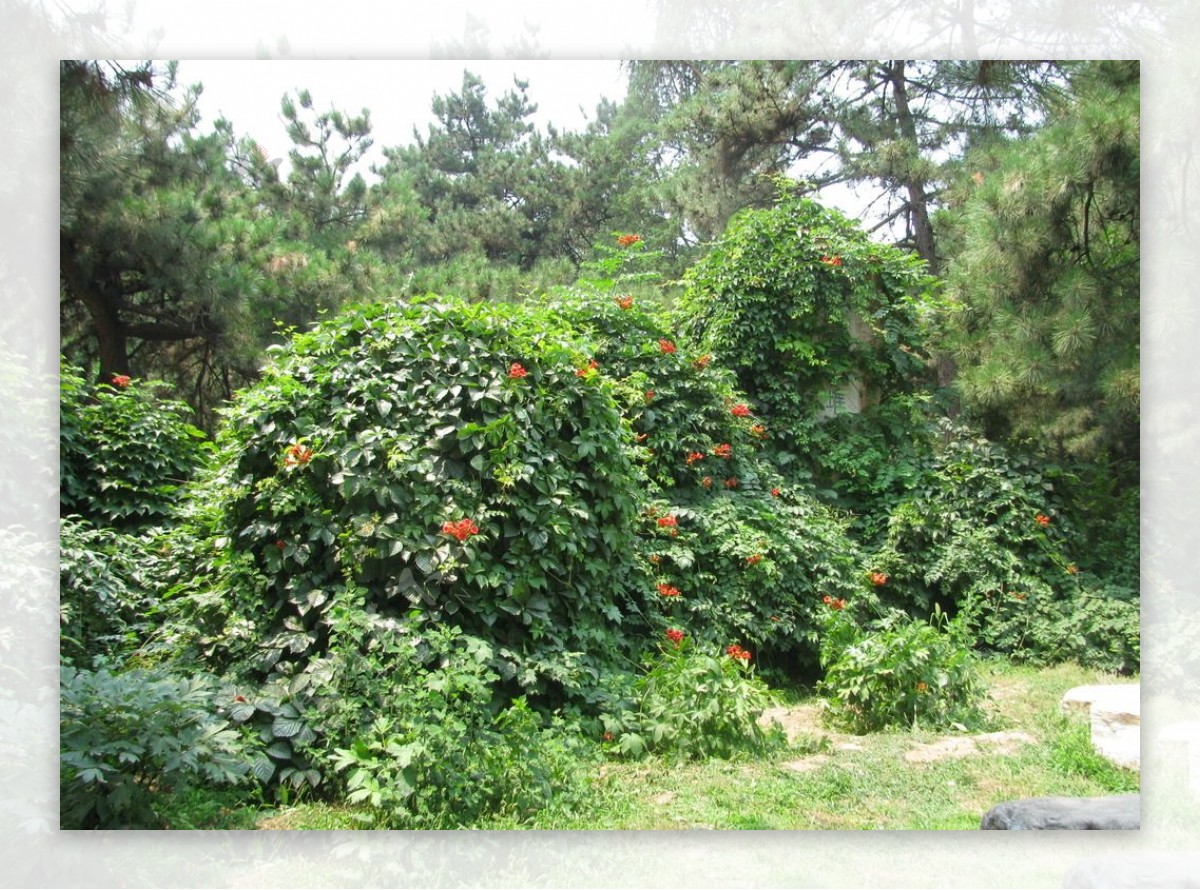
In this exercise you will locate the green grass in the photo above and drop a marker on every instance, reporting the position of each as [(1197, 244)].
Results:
[(827, 780)]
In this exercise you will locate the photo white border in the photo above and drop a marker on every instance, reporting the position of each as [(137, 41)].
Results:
[(36, 35)]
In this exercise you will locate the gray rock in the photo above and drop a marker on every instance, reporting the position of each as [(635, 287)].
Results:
[(1117, 813)]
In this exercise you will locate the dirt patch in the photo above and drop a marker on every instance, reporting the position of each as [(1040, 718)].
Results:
[(807, 764), (799, 721), (968, 746), (803, 722)]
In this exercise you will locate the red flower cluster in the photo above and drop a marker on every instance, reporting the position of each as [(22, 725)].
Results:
[(627, 240), (675, 636), (706, 481), (666, 346), (879, 579), (731, 483), (831, 260), (835, 604), (669, 522), (1042, 519), (694, 457), (667, 590), (625, 302), (775, 492), (462, 529), (588, 368), (649, 394), (121, 380), (516, 372), (281, 544), (758, 431), (740, 411), (736, 651), (297, 455), (724, 450), (754, 560), (701, 362)]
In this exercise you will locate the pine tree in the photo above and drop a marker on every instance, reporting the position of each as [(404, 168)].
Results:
[(1044, 289)]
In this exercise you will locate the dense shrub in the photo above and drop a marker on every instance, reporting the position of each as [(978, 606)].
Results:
[(459, 460), (977, 521), (895, 670), (1086, 621), (125, 450), (985, 530), (129, 740), (694, 701)]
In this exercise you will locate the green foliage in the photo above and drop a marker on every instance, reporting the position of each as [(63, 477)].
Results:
[(443, 753), (1086, 621), (398, 450), (125, 451), (895, 670), (106, 583), (129, 740), (986, 530), (693, 702)]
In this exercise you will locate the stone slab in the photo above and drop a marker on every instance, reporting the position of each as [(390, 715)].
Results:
[(1115, 715)]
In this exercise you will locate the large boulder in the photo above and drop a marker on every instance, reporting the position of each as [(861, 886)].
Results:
[(1118, 813)]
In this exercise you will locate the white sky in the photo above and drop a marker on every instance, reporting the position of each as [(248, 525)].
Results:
[(398, 93)]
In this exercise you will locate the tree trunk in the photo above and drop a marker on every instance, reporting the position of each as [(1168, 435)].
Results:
[(111, 339), (918, 201)]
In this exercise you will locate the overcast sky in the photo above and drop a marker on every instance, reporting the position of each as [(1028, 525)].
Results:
[(397, 93)]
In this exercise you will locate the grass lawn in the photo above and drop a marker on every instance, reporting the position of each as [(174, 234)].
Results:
[(829, 780)]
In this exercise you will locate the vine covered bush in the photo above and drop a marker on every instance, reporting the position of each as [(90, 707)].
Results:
[(810, 314), (457, 460), (729, 547)]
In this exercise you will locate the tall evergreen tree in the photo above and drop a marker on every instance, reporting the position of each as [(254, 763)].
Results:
[(1044, 286)]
